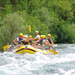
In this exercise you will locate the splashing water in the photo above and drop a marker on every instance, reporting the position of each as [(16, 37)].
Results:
[(40, 64)]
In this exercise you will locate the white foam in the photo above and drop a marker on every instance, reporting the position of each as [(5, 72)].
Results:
[(61, 70), (55, 45), (28, 63), (70, 72), (56, 74)]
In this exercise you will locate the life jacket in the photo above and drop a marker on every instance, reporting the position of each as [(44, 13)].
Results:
[(38, 36), (49, 40), (19, 39), (30, 42), (25, 43), (41, 42)]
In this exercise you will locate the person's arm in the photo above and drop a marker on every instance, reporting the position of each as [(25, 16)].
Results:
[(29, 41), (52, 43), (24, 39), (14, 41), (36, 38), (35, 42), (47, 43)]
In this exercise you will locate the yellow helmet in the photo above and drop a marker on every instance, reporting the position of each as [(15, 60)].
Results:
[(44, 36), (41, 36), (30, 36), (20, 34), (49, 35)]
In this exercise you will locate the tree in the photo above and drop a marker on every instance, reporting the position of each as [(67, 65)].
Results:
[(13, 24)]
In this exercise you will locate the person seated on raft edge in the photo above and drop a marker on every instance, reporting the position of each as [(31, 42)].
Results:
[(46, 43), (18, 40), (42, 42), (37, 36), (30, 40), (22, 40), (50, 40), (27, 40)]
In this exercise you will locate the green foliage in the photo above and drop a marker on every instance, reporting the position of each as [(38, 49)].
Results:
[(12, 26), (56, 17), (64, 10), (71, 32), (35, 23)]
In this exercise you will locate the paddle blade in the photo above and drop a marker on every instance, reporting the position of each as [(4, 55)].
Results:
[(6, 47), (29, 28), (54, 52)]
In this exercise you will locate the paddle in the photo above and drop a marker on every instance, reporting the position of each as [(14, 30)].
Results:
[(54, 52), (6, 47), (30, 29)]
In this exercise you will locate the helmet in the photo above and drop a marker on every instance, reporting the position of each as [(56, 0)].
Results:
[(44, 36), (30, 36), (26, 36), (41, 36), (20, 34), (36, 32), (49, 35)]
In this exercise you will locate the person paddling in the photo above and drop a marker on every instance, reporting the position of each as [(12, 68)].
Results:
[(18, 39), (42, 42), (27, 40), (50, 40), (37, 36), (38, 43), (30, 40)]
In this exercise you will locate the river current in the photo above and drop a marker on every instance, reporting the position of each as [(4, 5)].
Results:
[(40, 64)]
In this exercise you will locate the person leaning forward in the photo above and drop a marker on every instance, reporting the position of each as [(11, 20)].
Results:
[(18, 39)]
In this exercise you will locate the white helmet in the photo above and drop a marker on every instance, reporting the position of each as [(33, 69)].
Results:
[(36, 31), (26, 36)]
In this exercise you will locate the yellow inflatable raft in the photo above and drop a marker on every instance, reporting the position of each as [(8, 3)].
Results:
[(30, 50)]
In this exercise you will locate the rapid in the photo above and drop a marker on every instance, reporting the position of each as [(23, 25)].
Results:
[(40, 64)]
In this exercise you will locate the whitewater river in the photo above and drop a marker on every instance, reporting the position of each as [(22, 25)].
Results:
[(40, 64)]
